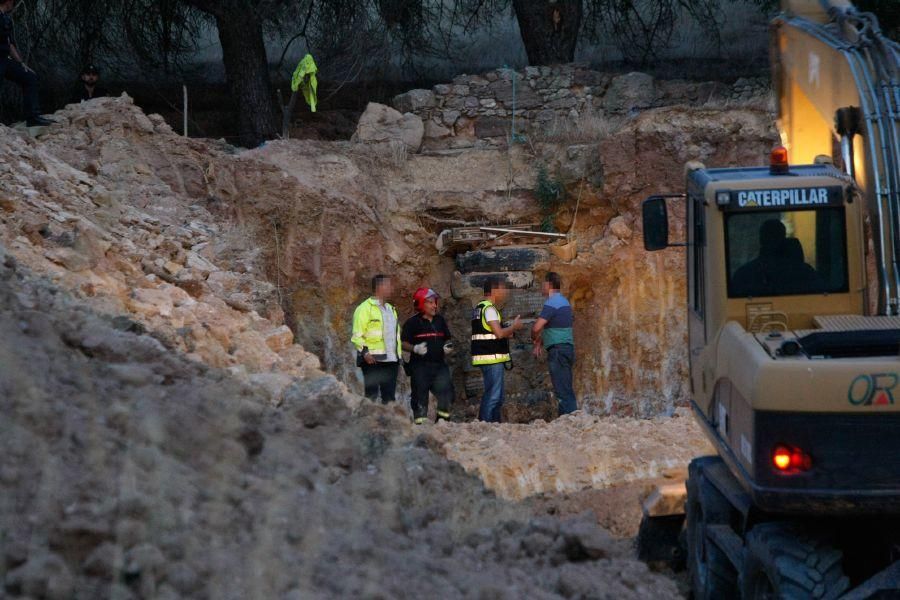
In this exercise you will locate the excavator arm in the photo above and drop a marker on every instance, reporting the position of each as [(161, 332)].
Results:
[(837, 78)]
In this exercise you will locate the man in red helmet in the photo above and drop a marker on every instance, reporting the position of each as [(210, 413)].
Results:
[(426, 337)]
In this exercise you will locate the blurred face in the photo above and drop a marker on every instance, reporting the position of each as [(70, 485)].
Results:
[(500, 293), (90, 78), (384, 289), (546, 288), (430, 307)]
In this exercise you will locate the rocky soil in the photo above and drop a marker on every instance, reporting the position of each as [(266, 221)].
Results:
[(572, 453)]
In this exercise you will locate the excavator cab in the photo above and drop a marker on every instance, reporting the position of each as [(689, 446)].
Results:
[(793, 327)]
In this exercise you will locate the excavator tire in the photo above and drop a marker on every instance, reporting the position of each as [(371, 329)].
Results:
[(784, 561), (712, 575)]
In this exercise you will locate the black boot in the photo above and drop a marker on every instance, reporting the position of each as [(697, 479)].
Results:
[(38, 121)]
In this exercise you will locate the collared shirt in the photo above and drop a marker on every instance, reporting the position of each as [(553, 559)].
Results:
[(558, 313), (389, 323)]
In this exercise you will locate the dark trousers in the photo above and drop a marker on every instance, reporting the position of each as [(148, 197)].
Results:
[(380, 378), (561, 358), (492, 400), (27, 80), (431, 377)]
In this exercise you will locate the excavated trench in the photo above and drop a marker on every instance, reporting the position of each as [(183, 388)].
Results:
[(162, 422)]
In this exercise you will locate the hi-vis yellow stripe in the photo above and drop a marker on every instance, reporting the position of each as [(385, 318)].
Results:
[(484, 336), (487, 359)]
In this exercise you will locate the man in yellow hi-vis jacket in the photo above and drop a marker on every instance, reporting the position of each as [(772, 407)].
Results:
[(490, 346), (376, 336)]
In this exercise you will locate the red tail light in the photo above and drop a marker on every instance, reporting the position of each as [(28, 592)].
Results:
[(786, 459)]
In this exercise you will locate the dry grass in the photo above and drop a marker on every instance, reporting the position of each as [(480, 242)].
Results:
[(588, 127)]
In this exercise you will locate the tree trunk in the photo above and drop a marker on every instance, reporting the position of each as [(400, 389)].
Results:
[(549, 29), (247, 71)]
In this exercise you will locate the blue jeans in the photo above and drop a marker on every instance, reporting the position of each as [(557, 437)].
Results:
[(492, 400), (561, 357)]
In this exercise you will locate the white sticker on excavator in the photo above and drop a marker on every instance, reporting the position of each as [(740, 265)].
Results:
[(814, 63), (746, 449)]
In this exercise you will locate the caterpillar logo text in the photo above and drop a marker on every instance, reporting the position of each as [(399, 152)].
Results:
[(873, 389)]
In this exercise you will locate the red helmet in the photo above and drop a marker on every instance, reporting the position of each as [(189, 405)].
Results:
[(421, 295)]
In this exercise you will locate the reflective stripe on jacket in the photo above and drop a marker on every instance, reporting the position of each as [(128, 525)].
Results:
[(368, 328), (487, 348)]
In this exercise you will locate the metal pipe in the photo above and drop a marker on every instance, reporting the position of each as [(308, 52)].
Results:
[(523, 232), (847, 155)]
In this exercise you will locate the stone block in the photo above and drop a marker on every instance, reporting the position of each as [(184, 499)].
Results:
[(436, 131), (525, 97), (414, 101), (628, 92), (491, 127), (449, 117), (380, 123)]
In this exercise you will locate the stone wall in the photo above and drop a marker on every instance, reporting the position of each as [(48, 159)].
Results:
[(555, 102)]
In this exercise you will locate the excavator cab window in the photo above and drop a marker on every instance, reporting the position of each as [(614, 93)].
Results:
[(779, 253)]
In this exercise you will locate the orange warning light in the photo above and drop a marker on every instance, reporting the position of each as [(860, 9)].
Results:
[(778, 161)]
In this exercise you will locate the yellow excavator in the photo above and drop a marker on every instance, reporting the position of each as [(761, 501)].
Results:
[(793, 276)]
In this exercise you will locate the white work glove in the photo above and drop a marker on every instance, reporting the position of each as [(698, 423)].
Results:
[(421, 348), (448, 348)]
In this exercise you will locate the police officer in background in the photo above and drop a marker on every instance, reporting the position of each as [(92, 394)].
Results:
[(426, 337), (12, 67), (88, 86)]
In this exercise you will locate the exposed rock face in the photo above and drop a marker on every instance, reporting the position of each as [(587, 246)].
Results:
[(380, 123), (630, 92), (214, 252)]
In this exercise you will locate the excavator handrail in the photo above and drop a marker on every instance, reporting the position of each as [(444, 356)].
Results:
[(873, 62)]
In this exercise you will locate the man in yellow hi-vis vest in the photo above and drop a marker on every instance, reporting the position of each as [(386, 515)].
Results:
[(376, 336), (490, 346)]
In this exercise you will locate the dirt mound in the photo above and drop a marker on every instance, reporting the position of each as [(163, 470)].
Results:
[(132, 472)]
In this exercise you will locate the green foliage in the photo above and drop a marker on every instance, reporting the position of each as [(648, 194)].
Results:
[(550, 194)]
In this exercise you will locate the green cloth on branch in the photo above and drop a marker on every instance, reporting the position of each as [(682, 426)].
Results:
[(305, 79)]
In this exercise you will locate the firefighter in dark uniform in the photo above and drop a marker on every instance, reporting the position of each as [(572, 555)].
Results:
[(426, 337), (12, 67)]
